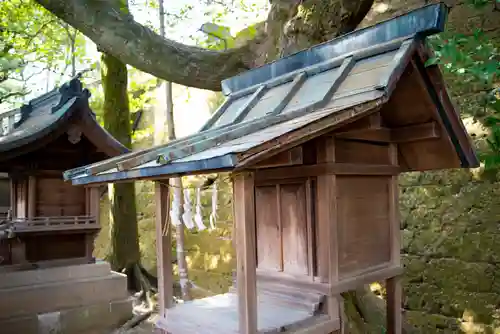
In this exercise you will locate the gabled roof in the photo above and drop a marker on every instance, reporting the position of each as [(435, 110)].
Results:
[(289, 101), (36, 123)]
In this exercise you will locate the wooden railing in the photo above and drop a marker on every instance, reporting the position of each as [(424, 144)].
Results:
[(7, 121), (46, 224)]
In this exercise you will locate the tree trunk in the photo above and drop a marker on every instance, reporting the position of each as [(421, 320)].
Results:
[(124, 236), (168, 120)]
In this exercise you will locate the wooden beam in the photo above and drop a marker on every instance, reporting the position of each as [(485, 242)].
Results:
[(327, 168), (291, 157), (374, 135), (294, 88), (405, 134), (163, 247), (252, 101), (244, 193), (418, 132)]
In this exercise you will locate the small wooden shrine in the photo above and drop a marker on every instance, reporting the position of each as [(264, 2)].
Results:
[(315, 143), (49, 220)]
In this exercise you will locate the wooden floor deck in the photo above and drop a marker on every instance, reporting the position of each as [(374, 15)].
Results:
[(219, 315)]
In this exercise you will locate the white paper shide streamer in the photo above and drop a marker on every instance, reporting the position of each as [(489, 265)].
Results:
[(187, 216), (175, 211), (198, 218), (213, 215)]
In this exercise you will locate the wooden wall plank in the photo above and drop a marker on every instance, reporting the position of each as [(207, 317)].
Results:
[(269, 251), (361, 153), (54, 197), (294, 225), (163, 247), (244, 193), (363, 213)]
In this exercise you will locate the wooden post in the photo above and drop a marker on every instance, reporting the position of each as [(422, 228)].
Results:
[(163, 247), (21, 198), (93, 206), (244, 208), (13, 197), (31, 196), (328, 263), (393, 285), (94, 203)]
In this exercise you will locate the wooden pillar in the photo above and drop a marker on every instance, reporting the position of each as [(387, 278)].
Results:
[(393, 285), (244, 208), (93, 209), (328, 262), (22, 198), (31, 197), (13, 197), (163, 247)]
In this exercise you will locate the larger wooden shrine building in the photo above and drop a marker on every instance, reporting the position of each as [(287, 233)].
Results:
[(315, 142), (47, 233)]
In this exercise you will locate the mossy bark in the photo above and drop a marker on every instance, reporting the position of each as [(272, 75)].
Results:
[(124, 252)]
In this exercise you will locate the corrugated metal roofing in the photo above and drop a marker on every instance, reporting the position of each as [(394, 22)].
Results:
[(268, 102)]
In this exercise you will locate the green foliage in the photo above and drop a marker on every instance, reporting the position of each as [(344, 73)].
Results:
[(476, 60), (30, 35)]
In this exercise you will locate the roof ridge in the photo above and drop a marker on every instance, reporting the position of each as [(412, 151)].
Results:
[(424, 21), (67, 91)]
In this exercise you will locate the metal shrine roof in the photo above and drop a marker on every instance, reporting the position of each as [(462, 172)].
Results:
[(47, 113), (325, 85)]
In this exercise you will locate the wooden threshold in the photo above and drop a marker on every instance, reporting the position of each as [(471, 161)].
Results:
[(324, 169), (303, 282), (344, 285), (352, 283)]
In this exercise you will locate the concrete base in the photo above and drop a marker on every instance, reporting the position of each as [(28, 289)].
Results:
[(72, 299)]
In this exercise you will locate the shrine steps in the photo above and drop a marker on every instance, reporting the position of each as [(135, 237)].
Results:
[(96, 318), (66, 299)]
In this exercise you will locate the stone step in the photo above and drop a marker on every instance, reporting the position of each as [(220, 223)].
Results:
[(78, 320), (55, 274), (54, 296)]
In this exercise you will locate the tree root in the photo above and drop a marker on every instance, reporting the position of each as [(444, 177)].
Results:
[(135, 321), (139, 280), (366, 313)]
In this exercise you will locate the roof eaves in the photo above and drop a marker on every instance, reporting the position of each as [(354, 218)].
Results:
[(225, 162)]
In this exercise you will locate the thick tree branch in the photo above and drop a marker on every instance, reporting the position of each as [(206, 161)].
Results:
[(132, 43)]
